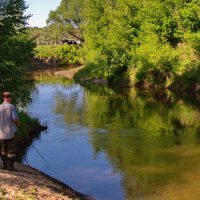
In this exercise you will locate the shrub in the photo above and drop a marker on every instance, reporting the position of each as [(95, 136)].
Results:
[(66, 54)]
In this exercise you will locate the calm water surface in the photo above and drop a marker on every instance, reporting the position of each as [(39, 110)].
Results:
[(117, 145)]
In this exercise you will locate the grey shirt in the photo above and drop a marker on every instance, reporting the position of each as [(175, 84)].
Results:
[(8, 114)]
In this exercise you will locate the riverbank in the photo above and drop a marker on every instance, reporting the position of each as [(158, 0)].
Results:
[(29, 183), (143, 85), (69, 73)]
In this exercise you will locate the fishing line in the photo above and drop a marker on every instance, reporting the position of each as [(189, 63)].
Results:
[(41, 156)]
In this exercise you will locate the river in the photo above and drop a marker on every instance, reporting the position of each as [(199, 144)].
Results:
[(118, 144)]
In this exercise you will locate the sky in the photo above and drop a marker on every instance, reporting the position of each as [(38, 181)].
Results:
[(40, 10)]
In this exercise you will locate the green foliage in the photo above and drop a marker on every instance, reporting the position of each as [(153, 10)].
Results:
[(15, 50), (68, 19), (27, 123), (67, 54), (108, 47), (163, 52), (29, 128), (3, 194), (147, 42), (158, 40), (89, 72), (45, 36), (12, 18)]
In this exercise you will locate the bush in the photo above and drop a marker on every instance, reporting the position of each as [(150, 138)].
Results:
[(28, 129), (66, 54)]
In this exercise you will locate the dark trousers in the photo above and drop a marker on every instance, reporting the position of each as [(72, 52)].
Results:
[(8, 153), (8, 148)]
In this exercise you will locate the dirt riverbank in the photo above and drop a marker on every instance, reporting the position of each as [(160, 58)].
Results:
[(28, 183), (68, 73)]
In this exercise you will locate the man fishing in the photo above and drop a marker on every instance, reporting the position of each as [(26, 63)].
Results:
[(8, 126)]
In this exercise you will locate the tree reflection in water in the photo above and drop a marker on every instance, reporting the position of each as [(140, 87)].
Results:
[(151, 138)]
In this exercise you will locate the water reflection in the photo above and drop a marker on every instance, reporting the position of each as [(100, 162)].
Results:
[(150, 139)]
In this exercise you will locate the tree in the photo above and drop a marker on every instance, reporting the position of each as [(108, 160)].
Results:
[(150, 42), (44, 36), (68, 19), (110, 32), (15, 50)]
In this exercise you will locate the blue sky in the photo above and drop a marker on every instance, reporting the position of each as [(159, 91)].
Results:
[(40, 10)]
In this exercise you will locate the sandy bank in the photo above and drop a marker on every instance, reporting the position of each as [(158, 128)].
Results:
[(28, 183), (68, 73)]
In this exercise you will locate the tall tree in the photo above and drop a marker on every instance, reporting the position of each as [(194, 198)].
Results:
[(110, 31), (15, 49), (68, 18)]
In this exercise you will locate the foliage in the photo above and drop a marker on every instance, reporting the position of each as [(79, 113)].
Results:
[(28, 129), (45, 36), (149, 42), (67, 54), (68, 19), (158, 40), (66, 22), (27, 123), (12, 18), (14, 41)]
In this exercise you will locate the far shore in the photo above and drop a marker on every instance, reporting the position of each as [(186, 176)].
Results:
[(68, 73)]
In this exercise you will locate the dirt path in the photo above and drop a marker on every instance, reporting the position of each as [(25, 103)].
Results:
[(28, 184)]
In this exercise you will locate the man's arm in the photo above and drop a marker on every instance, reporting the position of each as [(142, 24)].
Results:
[(14, 116)]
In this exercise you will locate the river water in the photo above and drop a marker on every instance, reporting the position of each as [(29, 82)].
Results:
[(118, 144)]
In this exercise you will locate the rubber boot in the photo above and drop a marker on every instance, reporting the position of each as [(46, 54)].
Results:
[(10, 163), (4, 160)]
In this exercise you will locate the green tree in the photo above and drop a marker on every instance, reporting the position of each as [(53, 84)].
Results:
[(45, 36), (68, 19), (15, 50), (110, 31), (151, 42)]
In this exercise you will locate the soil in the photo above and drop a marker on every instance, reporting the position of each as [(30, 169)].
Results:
[(28, 183), (69, 73)]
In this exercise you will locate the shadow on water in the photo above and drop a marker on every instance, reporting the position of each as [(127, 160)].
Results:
[(151, 139)]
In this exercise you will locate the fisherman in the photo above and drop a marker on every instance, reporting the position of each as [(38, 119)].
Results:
[(8, 126)]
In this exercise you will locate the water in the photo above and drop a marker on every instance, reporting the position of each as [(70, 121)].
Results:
[(117, 145)]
